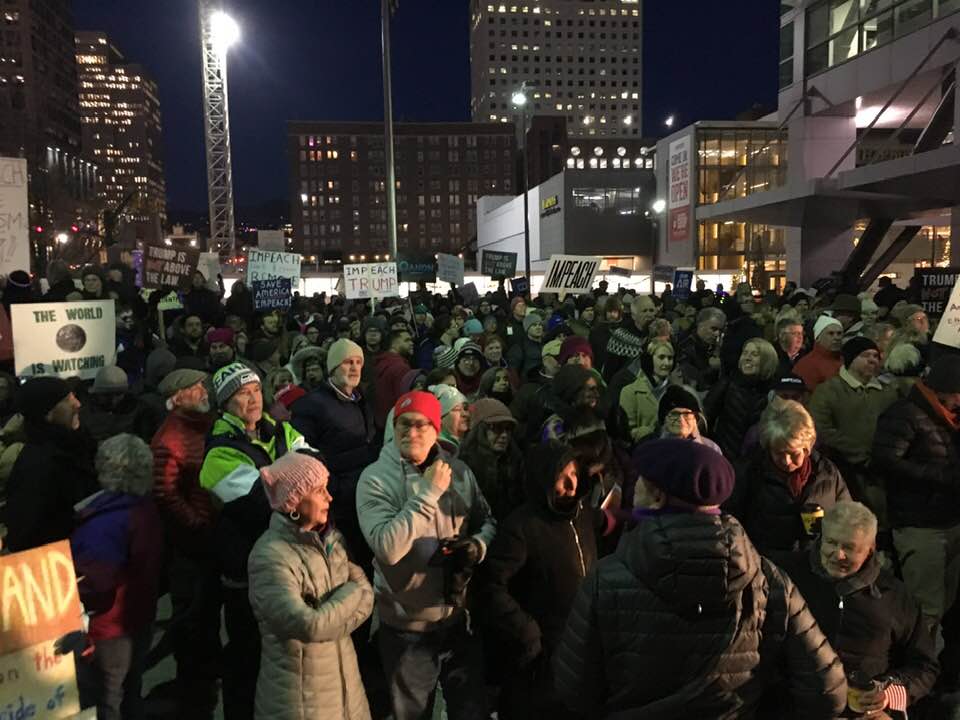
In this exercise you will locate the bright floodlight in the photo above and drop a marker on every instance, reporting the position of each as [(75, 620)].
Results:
[(659, 205), (519, 99), (224, 30), (669, 121), (63, 238)]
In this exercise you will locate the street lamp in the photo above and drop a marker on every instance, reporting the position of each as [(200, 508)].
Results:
[(659, 205), (519, 100), (63, 238), (669, 121)]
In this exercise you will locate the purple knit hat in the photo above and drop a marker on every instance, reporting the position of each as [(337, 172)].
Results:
[(291, 478), (689, 471)]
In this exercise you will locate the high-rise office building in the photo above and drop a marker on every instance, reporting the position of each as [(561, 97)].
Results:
[(120, 110), (580, 59), (338, 185), (40, 115)]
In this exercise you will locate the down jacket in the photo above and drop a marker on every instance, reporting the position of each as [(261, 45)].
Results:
[(732, 407), (308, 599), (919, 455), (687, 620)]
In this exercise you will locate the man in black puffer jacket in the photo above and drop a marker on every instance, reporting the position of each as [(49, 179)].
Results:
[(531, 575), (871, 619), (686, 619), (916, 449)]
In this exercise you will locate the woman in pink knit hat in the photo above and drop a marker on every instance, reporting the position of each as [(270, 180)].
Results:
[(308, 598)]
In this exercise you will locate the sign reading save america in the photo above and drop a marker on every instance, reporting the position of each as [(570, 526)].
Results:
[(570, 274)]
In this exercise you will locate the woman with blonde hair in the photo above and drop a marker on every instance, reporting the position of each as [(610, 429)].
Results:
[(640, 399), (785, 484), (734, 404)]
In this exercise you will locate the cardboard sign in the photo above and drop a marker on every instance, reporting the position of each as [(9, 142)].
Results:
[(271, 294), (520, 286), (72, 339), (664, 273), (14, 216), (412, 268), (682, 284), (450, 269), (265, 265), (498, 265), (470, 294), (935, 287), (272, 240), (948, 330), (168, 267), (370, 280), (570, 274), (41, 604)]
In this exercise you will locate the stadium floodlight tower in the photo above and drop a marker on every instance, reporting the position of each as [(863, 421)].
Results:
[(218, 32)]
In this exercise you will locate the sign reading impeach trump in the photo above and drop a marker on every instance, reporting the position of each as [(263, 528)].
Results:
[(39, 604), (73, 339), (362, 281), (571, 274)]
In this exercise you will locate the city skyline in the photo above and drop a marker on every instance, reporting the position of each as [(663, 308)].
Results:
[(271, 82)]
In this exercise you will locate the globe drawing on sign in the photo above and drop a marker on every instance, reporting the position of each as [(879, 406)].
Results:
[(71, 338)]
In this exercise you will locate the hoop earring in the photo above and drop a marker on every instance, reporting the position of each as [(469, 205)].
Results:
[(294, 515)]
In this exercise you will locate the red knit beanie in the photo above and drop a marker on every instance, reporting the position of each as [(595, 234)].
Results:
[(572, 346), (419, 402)]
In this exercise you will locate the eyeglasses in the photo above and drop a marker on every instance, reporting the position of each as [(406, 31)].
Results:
[(677, 414), (500, 428), (405, 426)]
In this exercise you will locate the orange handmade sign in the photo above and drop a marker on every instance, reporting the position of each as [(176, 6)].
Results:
[(38, 597)]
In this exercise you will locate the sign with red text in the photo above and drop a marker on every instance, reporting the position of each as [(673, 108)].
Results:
[(362, 281), (948, 329), (678, 202), (14, 216), (570, 274), (263, 268), (41, 604)]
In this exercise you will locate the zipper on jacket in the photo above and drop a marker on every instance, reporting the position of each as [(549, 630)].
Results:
[(576, 537), (836, 636)]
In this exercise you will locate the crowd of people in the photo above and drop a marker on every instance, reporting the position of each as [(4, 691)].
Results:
[(607, 505)]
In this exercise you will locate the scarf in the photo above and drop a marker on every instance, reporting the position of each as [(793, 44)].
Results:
[(949, 417), (795, 480)]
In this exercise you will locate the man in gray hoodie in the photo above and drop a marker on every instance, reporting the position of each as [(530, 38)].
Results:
[(423, 515)]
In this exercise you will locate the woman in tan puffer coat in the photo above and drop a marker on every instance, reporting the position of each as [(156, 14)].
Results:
[(307, 598)]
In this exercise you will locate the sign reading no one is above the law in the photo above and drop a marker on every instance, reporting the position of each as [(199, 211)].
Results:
[(570, 274), (72, 339), (362, 281)]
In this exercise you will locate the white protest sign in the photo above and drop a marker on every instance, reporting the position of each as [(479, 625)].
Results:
[(14, 216), (264, 266), (370, 280), (271, 240), (72, 339), (570, 274), (948, 330), (209, 265), (450, 269)]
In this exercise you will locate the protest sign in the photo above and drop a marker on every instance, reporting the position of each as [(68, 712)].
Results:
[(622, 272), (168, 267), (14, 216), (271, 294), (935, 287), (664, 273), (682, 283), (416, 268), (65, 339), (520, 286), (170, 301), (370, 280), (679, 180), (570, 274), (266, 265), (271, 240), (470, 294), (450, 269), (41, 604), (209, 265), (948, 330), (498, 265)]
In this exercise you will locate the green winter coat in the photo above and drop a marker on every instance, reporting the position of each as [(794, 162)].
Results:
[(307, 598)]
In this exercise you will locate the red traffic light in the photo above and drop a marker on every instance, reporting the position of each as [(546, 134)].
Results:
[(39, 229), (74, 228)]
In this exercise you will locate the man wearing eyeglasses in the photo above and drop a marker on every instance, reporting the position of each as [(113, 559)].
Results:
[(428, 524)]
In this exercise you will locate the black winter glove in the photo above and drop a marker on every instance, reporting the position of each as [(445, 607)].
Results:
[(464, 553)]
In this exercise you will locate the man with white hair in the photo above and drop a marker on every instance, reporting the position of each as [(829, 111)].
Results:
[(871, 619), (699, 354), (188, 514)]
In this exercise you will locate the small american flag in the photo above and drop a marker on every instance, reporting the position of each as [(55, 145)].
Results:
[(896, 697)]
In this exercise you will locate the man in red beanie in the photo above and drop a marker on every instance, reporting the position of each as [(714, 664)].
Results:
[(576, 350), (423, 515), (220, 350), (687, 600)]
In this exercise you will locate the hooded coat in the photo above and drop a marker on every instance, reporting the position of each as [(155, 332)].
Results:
[(308, 599), (686, 619)]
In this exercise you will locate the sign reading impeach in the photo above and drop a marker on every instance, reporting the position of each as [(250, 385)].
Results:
[(571, 274), (64, 339)]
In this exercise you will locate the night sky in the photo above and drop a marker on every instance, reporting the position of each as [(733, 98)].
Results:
[(320, 60)]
